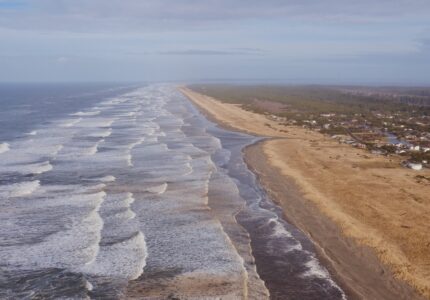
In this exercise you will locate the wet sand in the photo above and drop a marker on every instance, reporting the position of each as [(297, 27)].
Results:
[(225, 210), (355, 267), (367, 215)]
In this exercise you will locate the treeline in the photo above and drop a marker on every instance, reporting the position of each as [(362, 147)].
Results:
[(315, 99), (415, 100), (418, 96)]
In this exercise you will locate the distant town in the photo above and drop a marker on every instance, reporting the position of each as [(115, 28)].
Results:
[(385, 121)]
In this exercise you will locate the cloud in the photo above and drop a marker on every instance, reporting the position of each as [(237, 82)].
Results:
[(149, 15), (169, 38), (226, 9)]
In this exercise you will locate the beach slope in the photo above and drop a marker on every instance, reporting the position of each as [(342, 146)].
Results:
[(368, 215)]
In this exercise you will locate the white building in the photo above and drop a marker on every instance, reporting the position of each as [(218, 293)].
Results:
[(415, 166)]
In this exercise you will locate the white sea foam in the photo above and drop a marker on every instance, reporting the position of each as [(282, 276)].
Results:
[(31, 168), (86, 114), (128, 114), (19, 189), (151, 139), (46, 144), (58, 149), (108, 178), (158, 189), (97, 187), (93, 149), (145, 130), (189, 170), (124, 215), (34, 132), (88, 285), (108, 123), (129, 160), (113, 102), (118, 201), (41, 148), (71, 122), (122, 260), (103, 134), (125, 258), (76, 196), (279, 229), (97, 122), (129, 199), (134, 144), (79, 243), (104, 179), (102, 234), (316, 270), (4, 147)]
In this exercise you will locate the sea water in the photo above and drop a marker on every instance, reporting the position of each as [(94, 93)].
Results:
[(104, 195)]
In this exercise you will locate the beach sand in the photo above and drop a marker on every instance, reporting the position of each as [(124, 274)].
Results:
[(368, 216)]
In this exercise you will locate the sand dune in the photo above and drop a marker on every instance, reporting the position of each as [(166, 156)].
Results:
[(372, 199)]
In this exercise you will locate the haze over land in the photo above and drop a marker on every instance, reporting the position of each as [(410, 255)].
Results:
[(366, 42)]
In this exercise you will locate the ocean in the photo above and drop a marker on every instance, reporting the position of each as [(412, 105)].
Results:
[(126, 192)]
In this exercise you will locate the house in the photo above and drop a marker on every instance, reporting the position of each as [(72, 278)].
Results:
[(327, 115), (377, 152), (359, 145), (415, 166)]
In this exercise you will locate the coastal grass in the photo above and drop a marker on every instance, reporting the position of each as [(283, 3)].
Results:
[(308, 98)]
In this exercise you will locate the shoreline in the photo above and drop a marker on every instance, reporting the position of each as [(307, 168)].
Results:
[(355, 266)]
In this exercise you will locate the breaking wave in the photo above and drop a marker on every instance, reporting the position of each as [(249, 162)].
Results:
[(71, 122), (101, 224), (158, 189), (86, 114), (28, 168), (4, 147), (19, 189)]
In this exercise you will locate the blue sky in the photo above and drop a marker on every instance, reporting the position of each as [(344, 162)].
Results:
[(296, 41)]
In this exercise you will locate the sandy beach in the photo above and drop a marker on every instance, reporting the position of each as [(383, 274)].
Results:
[(367, 215)]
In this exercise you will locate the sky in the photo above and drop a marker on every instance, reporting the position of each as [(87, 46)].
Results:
[(379, 42)]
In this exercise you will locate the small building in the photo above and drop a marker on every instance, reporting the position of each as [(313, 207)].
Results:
[(415, 166), (327, 115), (359, 145), (377, 152)]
